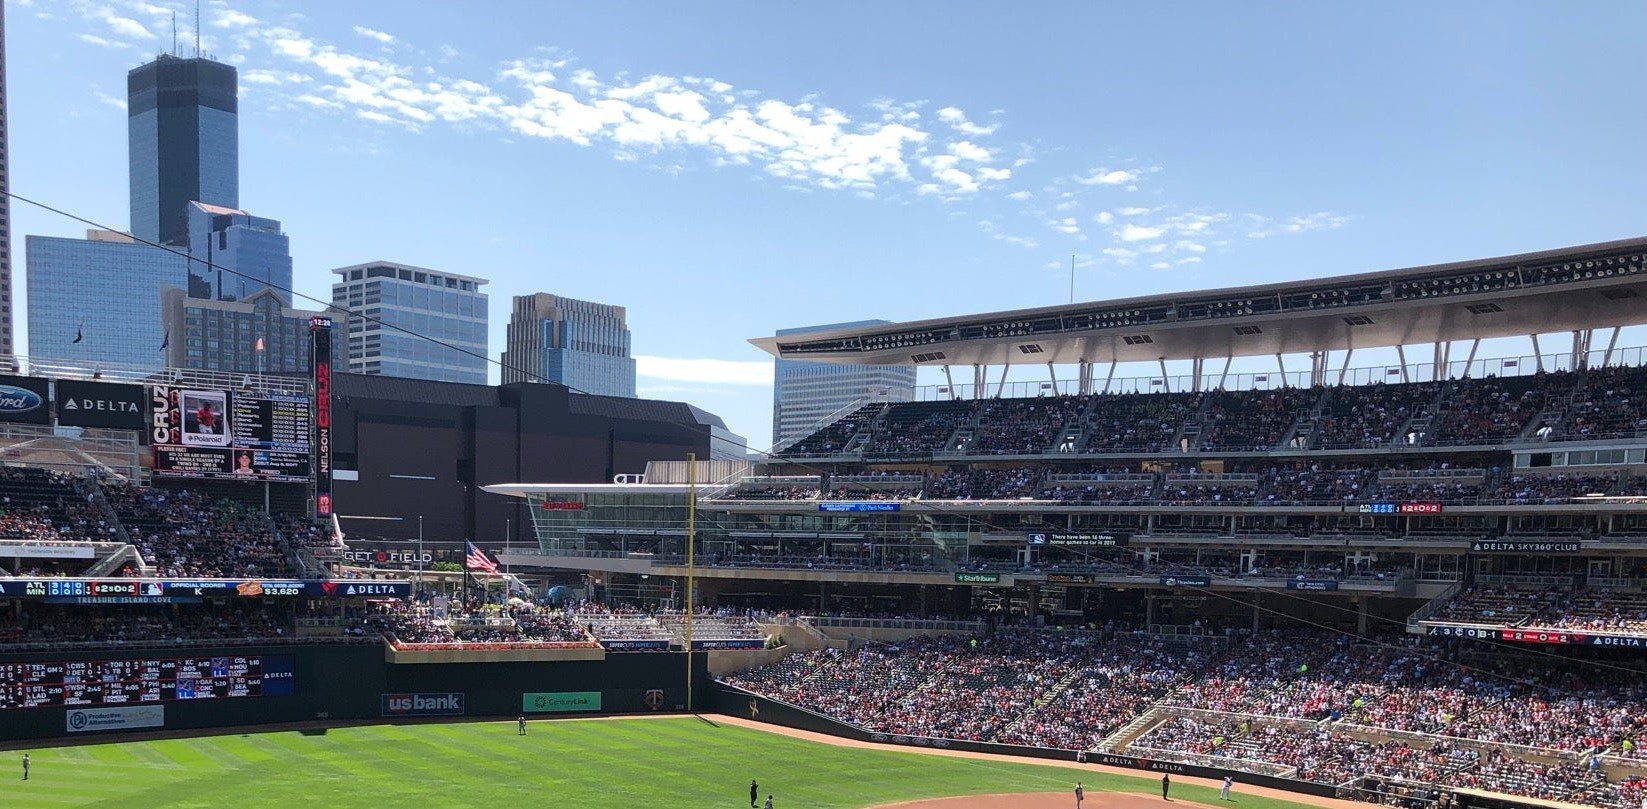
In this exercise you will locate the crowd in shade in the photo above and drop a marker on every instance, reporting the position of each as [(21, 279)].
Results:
[(443, 623), (39, 505), (1299, 703), (185, 534), (1581, 610), (1251, 483), (115, 626), (1547, 407)]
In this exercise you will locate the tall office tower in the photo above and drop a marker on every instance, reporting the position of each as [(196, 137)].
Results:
[(808, 395), (233, 255), (579, 344), (182, 127), (258, 334), (96, 300), (5, 204), (422, 303)]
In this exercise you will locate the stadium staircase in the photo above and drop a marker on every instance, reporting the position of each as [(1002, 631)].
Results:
[(1129, 733), (1304, 431), (1040, 701), (1189, 433)]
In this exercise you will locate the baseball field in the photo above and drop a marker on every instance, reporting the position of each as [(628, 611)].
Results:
[(623, 764)]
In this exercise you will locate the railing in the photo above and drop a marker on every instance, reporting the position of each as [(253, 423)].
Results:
[(63, 368), (1526, 365), (1430, 474), (893, 623)]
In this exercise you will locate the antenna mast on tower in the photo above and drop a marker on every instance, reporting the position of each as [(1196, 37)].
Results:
[(174, 33), (197, 29)]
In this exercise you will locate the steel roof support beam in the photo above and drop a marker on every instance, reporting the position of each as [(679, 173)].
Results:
[(1196, 365), (1581, 348), (1084, 387), (1109, 377), (1282, 365), (1612, 342), (1345, 368), (1052, 375), (1538, 356), (979, 380), (1470, 360), (1000, 387), (1224, 374), (1166, 384), (1401, 354), (950, 380)]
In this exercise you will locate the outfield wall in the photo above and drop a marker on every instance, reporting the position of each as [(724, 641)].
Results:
[(350, 683)]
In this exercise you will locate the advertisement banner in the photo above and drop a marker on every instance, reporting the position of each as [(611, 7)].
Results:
[(741, 643), (559, 701), (170, 590), (1071, 578), (635, 645), (90, 720), (320, 335), (977, 578), (1312, 584), (1523, 546), (449, 704), (23, 400), (46, 550), (854, 507), (1186, 581), (99, 404)]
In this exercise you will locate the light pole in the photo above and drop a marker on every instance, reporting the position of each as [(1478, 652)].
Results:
[(420, 551)]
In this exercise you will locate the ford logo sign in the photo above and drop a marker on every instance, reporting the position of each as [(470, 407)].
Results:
[(18, 400)]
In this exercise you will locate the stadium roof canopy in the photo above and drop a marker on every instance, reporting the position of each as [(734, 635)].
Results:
[(1571, 289)]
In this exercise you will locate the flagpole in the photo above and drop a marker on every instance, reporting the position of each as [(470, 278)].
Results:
[(691, 533)]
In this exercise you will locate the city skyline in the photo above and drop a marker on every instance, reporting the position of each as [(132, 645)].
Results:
[(772, 182)]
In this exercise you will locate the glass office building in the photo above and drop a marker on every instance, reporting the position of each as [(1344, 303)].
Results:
[(233, 255), (579, 344), (105, 290), (182, 125), (809, 395), (446, 306)]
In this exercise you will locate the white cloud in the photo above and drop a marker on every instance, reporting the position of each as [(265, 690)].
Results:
[(1108, 177), (100, 42), (1190, 260), (1321, 220), (113, 101), (1133, 211), (1104, 218), (707, 371), (273, 77), (1021, 241), (229, 18), (1019, 196), (1161, 265), (1189, 246), (127, 27), (1139, 233), (1121, 254), (374, 34), (958, 120), (1066, 225)]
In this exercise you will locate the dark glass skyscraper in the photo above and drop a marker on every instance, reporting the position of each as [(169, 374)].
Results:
[(183, 128)]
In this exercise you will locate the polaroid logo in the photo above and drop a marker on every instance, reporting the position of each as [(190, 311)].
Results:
[(18, 400), (450, 704)]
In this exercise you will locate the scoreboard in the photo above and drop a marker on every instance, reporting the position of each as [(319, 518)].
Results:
[(92, 683), (230, 434)]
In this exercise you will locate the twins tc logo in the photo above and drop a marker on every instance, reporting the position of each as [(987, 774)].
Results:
[(654, 698)]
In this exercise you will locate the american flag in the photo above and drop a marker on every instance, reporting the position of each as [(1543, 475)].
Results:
[(475, 560)]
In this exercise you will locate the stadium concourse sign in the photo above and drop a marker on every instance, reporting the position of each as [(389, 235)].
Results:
[(560, 701), (878, 505), (89, 720), (977, 578), (23, 400), (1524, 546), (1186, 581), (447, 704)]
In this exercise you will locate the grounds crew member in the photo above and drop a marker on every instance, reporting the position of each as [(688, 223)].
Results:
[(1166, 783), (754, 792)]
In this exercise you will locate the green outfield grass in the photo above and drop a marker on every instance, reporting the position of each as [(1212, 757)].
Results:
[(622, 764)]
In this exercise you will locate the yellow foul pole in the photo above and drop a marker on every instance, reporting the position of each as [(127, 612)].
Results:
[(691, 535)]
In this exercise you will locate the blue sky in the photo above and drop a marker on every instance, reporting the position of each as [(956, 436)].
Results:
[(725, 170)]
